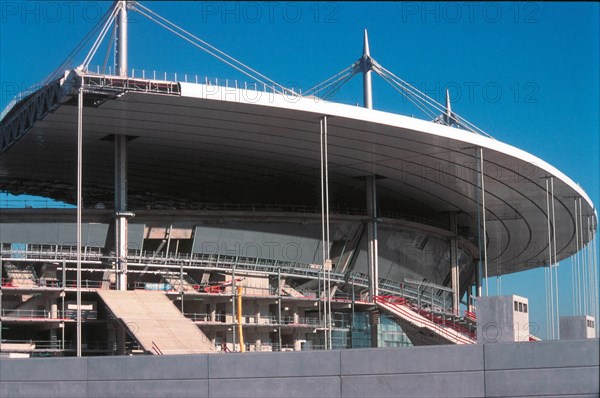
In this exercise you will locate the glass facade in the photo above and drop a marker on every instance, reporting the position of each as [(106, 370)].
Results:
[(357, 334), (391, 334)]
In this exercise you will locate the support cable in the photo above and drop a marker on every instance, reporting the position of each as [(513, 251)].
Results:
[(335, 88), (108, 49), (409, 90), (325, 83), (208, 48), (427, 112), (427, 99), (101, 36), (60, 69)]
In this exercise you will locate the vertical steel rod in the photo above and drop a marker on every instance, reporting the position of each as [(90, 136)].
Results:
[(550, 303), (557, 326), (575, 271), (79, 206), (581, 260), (329, 316), (322, 298)]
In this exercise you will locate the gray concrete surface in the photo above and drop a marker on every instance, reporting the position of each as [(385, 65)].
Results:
[(566, 368)]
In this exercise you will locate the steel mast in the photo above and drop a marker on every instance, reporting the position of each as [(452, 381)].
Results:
[(366, 66)]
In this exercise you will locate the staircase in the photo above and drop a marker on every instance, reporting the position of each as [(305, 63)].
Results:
[(422, 327), (158, 326)]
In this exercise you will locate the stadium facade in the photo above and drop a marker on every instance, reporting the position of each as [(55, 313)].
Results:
[(271, 220)]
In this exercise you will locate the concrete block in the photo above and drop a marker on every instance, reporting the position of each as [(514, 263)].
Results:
[(502, 319), (148, 388), (536, 382), (542, 354), (72, 369), (278, 387), (451, 358), (289, 364), (48, 389), (577, 327), (431, 385), (175, 367)]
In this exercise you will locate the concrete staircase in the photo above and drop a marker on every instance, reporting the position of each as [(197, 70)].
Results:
[(422, 330), (158, 326)]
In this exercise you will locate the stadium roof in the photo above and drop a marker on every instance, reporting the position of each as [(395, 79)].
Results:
[(194, 143)]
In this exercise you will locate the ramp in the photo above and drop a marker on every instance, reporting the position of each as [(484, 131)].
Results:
[(421, 329), (157, 325)]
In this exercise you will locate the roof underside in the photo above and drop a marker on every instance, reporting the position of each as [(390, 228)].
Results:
[(190, 147)]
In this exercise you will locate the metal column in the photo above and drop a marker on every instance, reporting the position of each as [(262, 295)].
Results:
[(454, 269), (372, 251), (121, 214), (121, 47), (481, 226), (483, 220)]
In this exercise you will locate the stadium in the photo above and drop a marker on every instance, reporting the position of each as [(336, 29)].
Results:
[(226, 216)]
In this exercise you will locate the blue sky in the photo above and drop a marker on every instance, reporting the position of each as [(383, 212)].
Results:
[(527, 73)]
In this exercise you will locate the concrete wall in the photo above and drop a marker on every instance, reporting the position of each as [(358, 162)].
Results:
[(545, 369)]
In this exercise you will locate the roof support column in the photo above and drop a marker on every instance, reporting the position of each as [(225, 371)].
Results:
[(552, 268), (372, 248), (454, 269), (481, 227), (121, 213)]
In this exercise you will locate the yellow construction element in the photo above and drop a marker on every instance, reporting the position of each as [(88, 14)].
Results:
[(239, 318)]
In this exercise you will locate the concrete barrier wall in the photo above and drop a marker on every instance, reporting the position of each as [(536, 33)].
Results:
[(543, 369)]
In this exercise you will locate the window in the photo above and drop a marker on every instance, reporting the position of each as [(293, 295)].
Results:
[(520, 307), (516, 306), (525, 307)]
